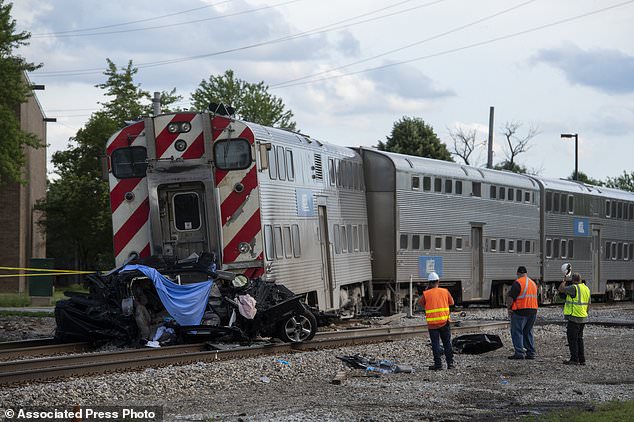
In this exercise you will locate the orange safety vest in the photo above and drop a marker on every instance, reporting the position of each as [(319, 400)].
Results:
[(527, 299), (437, 301)]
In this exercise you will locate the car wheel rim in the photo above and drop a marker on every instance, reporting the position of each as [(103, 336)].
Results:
[(298, 328)]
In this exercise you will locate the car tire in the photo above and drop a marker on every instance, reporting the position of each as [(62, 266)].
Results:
[(298, 327)]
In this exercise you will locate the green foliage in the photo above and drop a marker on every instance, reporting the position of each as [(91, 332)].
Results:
[(77, 208), (14, 90), (623, 182), (252, 102), (586, 179), (14, 300), (510, 166), (412, 136), (614, 411)]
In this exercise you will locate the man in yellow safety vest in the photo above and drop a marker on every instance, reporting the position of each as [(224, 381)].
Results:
[(576, 313)]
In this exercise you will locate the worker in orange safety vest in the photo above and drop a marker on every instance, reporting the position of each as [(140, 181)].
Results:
[(436, 302), (522, 307)]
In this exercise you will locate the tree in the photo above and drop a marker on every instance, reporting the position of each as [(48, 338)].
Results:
[(586, 179), (14, 90), (412, 136), (464, 142), (623, 182), (252, 102), (516, 144), (77, 212)]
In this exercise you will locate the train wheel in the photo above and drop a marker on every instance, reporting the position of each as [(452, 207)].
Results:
[(298, 327)]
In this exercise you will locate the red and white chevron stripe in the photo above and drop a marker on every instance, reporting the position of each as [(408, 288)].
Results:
[(130, 224), (165, 140)]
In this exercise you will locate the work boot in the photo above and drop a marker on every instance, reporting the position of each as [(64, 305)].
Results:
[(571, 362), (516, 357), (435, 368), (450, 366)]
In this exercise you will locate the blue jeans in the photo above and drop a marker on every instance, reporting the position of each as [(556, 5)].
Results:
[(436, 335), (522, 334)]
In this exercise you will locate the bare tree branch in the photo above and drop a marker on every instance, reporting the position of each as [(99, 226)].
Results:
[(464, 142), (517, 143)]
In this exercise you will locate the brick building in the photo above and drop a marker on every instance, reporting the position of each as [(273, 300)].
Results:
[(21, 238)]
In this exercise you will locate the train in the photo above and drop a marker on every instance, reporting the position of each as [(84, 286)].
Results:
[(352, 228)]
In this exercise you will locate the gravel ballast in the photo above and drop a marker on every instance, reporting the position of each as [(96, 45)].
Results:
[(298, 386)]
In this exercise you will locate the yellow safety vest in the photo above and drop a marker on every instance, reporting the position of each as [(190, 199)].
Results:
[(578, 306)]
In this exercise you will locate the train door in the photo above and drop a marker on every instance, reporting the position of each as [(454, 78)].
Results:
[(326, 263), (477, 262), (182, 217), (595, 285)]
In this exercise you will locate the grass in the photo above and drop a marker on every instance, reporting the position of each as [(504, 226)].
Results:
[(606, 412), (14, 300), (26, 314)]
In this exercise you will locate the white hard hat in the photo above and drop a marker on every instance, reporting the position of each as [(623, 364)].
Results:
[(433, 277), (566, 269)]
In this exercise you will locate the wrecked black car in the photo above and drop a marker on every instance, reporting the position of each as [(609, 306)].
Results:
[(156, 302)]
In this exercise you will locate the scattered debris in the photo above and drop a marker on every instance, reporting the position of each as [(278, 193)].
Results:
[(475, 344)]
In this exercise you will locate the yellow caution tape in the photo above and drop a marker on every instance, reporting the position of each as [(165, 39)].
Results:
[(47, 274), (42, 272)]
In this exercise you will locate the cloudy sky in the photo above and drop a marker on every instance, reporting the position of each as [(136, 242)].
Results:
[(349, 69)]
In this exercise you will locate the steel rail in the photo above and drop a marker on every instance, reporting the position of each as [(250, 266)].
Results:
[(59, 367), (44, 350)]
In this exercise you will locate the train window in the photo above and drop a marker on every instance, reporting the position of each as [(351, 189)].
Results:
[(626, 255), (607, 250), (549, 248), (619, 213), (438, 243), (613, 212), (619, 250), (186, 208), (277, 239), (571, 249), (571, 204), (437, 185), (613, 251), (549, 201), (476, 189), (268, 242), (331, 171), (349, 227), (355, 176), (427, 183), (355, 237), (458, 243), (556, 202), (416, 242), (344, 239), (518, 195), (527, 245), (290, 165), (563, 248), (297, 247), (338, 172), (527, 197), (426, 242), (510, 194), (631, 251), (555, 248), (502, 193), (281, 163), (492, 192), (272, 164), (502, 245), (366, 238), (335, 229), (349, 173), (232, 154), (403, 242), (288, 242), (494, 245), (129, 162), (511, 246), (625, 208), (415, 183), (448, 186), (448, 243), (458, 187), (607, 209), (631, 211), (564, 205), (518, 246)]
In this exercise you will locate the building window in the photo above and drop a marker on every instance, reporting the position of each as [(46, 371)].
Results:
[(277, 238), (549, 248), (297, 247), (438, 243), (426, 242), (502, 245), (437, 185), (448, 186), (494, 245), (458, 187), (476, 189), (288, 242), (448, 243), (416, 242), (415, 183), (269, 249), (571, 204), (502, 193), (511, 246), (492, 192), (458, 243), (426, 183)]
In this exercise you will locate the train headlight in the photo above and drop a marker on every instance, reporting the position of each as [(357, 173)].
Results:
[(180, 145), (186, 127), (244, 247), (172, 128)]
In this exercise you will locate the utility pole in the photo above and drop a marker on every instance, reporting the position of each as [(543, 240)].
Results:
[(490, 149)]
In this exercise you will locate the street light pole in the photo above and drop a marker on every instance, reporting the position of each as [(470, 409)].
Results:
[(576, 136)]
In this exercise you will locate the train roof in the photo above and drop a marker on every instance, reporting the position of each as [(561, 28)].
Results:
[(413, 164), (270, 134), (570, 186)]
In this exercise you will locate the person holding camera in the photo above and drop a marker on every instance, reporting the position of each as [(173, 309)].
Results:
[(576, 313)]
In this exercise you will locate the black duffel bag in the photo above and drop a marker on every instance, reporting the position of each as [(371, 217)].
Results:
[(475, 344)]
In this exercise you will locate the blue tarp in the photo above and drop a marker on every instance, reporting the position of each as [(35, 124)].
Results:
[(185, 303)]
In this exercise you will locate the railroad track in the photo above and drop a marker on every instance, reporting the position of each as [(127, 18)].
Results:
[(59, 367), (41, 347)]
